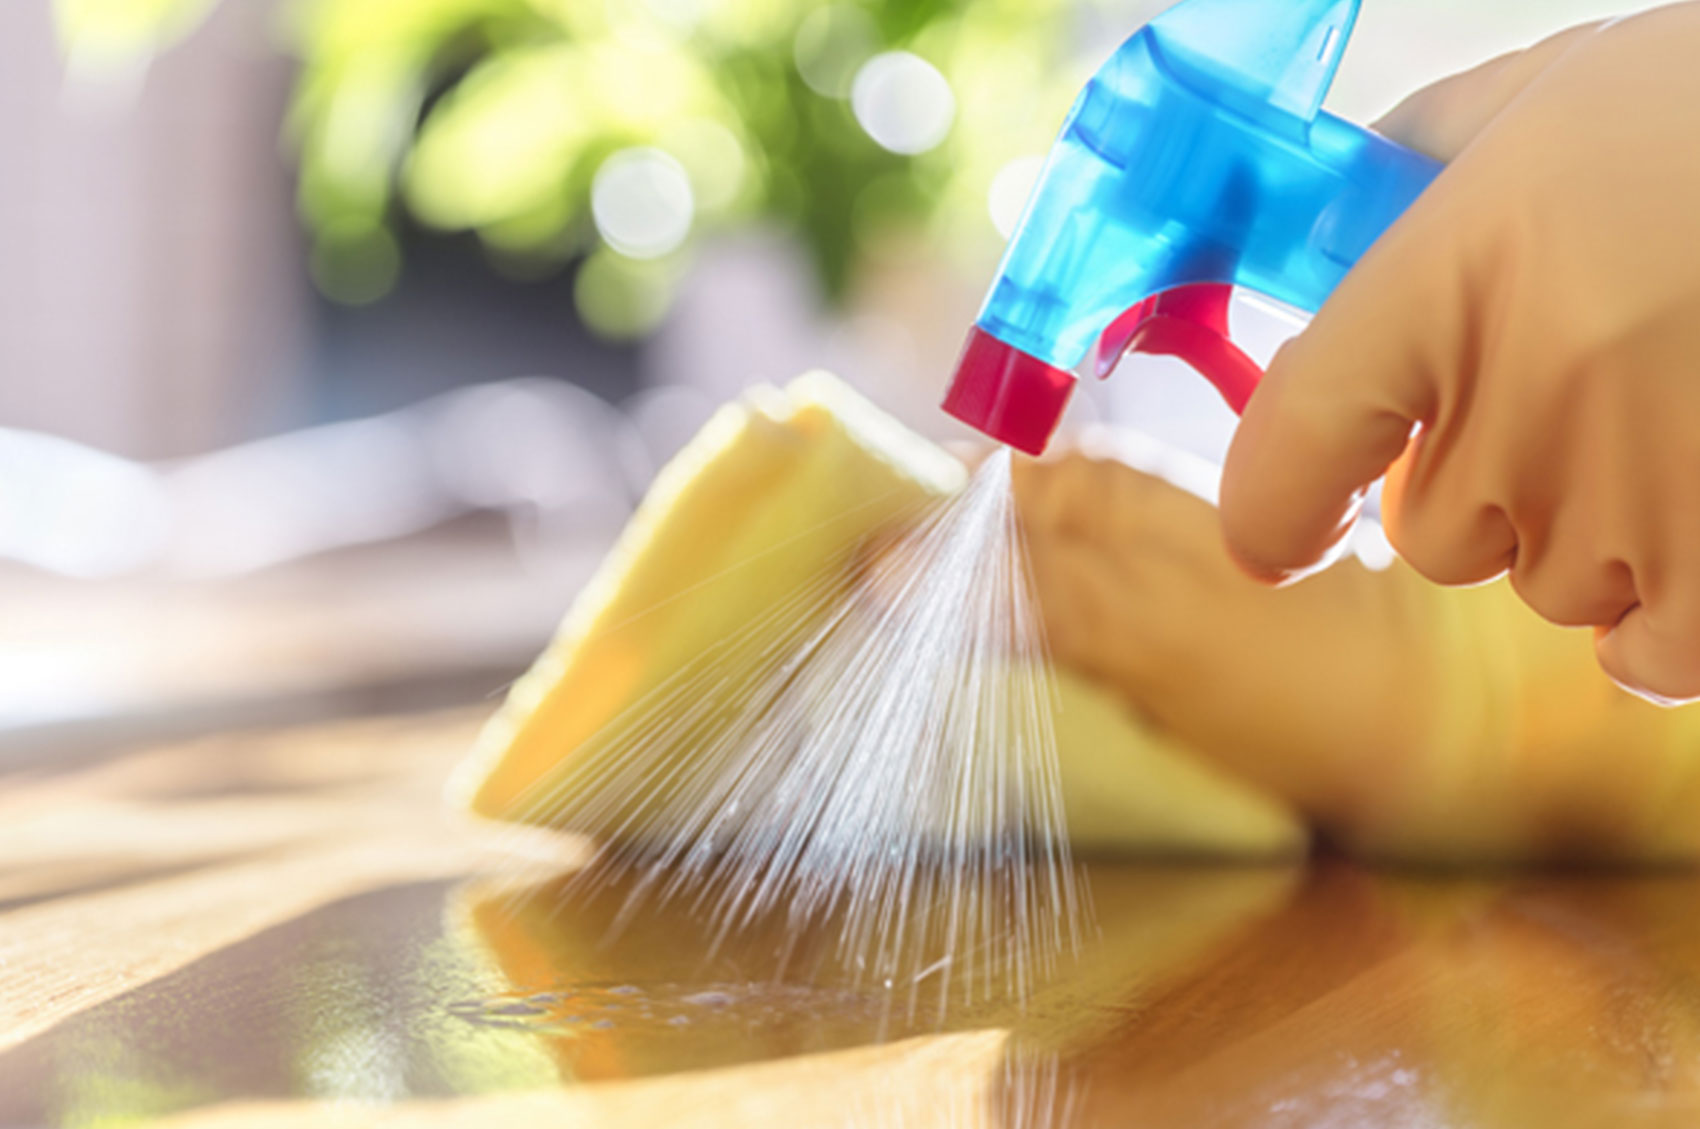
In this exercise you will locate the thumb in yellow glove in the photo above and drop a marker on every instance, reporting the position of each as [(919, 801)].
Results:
[(1520, 354)]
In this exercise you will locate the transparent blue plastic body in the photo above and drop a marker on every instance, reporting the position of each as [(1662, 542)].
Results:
[(1198, 154)]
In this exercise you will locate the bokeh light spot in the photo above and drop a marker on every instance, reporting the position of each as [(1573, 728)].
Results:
[(619, 297), (355, 261), (831, 42), (903, 102), (642, 202), (712, 156)]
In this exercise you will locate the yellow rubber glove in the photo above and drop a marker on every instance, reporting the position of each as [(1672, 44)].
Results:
[(1402, 719), (1536, 316)]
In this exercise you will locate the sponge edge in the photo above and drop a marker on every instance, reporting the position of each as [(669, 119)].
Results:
[(774, 494)]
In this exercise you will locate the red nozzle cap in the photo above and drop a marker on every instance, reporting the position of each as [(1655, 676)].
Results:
[(1011, 396)]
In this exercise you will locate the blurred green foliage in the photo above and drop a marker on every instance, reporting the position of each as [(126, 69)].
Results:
[(494, 116), (114, 33)]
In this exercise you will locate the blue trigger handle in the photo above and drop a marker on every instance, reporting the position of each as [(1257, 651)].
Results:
[(1177, 166)]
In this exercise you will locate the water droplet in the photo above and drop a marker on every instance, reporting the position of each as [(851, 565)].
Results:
[(709, 999), (518, 1007)]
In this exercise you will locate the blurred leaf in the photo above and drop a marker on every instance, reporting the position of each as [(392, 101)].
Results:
[(495, 115), (328, 32), (361, 124), (120, 32), (501, 143)]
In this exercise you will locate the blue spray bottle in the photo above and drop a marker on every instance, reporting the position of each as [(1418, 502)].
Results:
[(1197, 159)]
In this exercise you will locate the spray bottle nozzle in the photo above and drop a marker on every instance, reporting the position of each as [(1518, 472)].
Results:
[(1009, 395), (1195, 160)]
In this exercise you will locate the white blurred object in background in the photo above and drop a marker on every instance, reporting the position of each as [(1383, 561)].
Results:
[(76, 511), (563, 465)]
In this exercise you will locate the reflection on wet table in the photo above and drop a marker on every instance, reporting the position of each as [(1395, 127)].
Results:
[(280, 929)]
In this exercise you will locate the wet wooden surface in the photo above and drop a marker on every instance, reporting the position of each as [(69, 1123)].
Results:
[(282, 929)]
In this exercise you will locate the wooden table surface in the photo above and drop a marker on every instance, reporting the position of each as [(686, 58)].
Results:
[(282, 928)]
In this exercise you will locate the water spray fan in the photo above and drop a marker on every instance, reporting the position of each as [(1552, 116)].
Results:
[(1196, 160)]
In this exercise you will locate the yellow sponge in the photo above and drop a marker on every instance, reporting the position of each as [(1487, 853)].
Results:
[(775, 494)]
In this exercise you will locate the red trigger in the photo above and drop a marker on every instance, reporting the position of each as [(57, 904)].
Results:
[(1189, 322)]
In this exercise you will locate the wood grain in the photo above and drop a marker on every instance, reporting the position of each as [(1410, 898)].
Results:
[(281, 928), (116, 873)]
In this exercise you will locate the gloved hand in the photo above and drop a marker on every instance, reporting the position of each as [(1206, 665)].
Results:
[(1402, 719), (1535, 317)]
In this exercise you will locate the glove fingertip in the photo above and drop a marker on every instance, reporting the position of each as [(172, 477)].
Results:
[(1649, 663), (1286, 506)]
